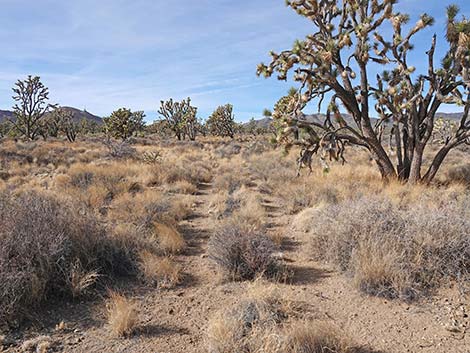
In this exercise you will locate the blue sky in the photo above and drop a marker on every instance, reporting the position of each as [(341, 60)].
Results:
[(105, 54)]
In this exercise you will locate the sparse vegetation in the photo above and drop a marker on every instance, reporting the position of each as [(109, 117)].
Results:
[(123, 123), (53, 257), (129, 239), (123, 315), (400, 95), (242, 254), (392, 250)]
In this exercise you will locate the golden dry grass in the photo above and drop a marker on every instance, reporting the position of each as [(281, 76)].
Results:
[(169, 239), (123, 315), (162, 271)]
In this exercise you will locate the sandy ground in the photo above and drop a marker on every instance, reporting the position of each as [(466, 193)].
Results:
[(174, 321)]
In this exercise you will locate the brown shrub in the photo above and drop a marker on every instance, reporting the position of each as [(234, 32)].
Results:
[(245, 327), (163, 272), (313, 337), (459, 174), (42, 240), (123, 315), (169, 239), (395, 251), (243, 255)]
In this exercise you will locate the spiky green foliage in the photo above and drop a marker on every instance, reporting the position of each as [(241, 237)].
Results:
[(180, 117), (32, 105), (221, 122), (123, 123), (335, 61)]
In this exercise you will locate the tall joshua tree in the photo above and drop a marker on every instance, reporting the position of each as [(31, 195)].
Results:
[(180, 117), (31, 107), (123, 123), (221, 122), (336, 63)]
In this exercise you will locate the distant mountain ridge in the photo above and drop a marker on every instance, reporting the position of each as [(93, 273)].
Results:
[(78, 115), (265, 122)]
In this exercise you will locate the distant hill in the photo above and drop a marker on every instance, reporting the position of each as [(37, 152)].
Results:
[(78, 115), (263, 123), (319, 118), (450, 116), (5, 115)]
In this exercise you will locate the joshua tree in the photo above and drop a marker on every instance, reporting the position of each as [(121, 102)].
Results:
[(32, 106), (64, 119), (53, 122), (123, 123), (335, 63), (221, 122), (89, 127), (5, 128), (180, 117), (190, 124)]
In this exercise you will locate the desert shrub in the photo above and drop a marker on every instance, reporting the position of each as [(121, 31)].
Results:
[(50, 247), (395, 251), (170, 241), (185, 170), (161, 271), (245, 326), (243, 255), (182, 187), (257, 324), (123, 315), (120, 150), (460, 174), (314, 337)]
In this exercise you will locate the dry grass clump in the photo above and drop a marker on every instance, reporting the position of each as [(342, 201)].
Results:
[(259, 324), (395, 251), (123, 315), (54, 237), (170, 241), (459, 174), (314, 337), (40, 344), (96, 185), (244, 327), (162, 271), (241, 206), (243, 255), (176, 168), (145, 208), (182, 187)]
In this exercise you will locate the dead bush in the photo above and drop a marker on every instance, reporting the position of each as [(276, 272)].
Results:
[(459, 174), (314, 337), (41, 242), (160, 271), (170, 240), (123, 315), (395, 251), (243, 255), (245, 326)]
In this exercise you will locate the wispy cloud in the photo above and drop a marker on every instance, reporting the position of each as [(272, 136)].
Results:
[(111, 53)]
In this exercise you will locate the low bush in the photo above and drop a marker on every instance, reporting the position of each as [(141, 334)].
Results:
[(123, 315), (245, 326), (243, 254), (395, 251), (459, 174), (50, 247), (313, 337), (160, 271)]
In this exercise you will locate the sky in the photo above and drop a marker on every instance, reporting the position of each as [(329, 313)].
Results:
[(101, 55)]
